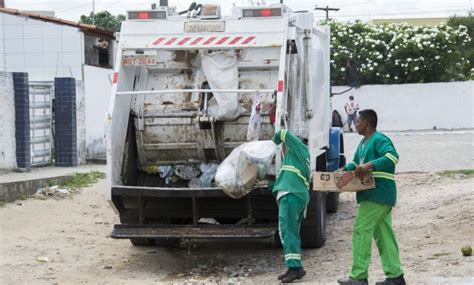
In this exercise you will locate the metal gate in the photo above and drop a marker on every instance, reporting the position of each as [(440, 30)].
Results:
[(41, 94)]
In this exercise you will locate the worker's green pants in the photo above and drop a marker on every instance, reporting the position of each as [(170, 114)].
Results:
[(290, 214), (374, 220)]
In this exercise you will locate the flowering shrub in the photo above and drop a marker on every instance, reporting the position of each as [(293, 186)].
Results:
[(398, 53)]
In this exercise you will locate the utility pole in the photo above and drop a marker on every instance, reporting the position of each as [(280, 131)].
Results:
[(93, 12), (327, 9)]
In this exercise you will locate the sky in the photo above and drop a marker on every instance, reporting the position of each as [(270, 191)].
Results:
[(349, 9)]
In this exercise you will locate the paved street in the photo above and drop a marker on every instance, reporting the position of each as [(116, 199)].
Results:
[(427, 150)]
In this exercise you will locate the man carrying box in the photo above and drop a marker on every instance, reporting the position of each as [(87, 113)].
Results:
[(375, 153), (291, 191)]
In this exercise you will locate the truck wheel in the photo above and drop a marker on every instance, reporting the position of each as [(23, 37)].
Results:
[(332, 202), (313, 228), (142, 241), (332, 199)]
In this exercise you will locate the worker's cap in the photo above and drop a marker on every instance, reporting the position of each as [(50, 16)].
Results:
[(351, 97)]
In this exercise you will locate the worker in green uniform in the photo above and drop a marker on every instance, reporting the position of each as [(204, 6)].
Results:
[(291, 191), (375, 154)]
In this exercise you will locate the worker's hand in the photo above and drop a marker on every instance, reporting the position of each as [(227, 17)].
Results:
[(363, 169), (340, 169)]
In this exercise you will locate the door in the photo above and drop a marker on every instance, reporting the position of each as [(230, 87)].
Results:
[(41, 94)]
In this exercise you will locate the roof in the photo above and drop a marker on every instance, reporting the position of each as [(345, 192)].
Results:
[(92, 30)]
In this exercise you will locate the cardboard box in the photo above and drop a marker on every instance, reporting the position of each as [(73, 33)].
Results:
[(344, 181)]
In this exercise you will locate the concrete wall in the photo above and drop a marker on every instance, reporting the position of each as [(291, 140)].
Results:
[(446, 105), (97, 96), (44, 50), (7, 122)]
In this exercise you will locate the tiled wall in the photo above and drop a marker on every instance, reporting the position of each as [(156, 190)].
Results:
[(22, 120), (65, 122)]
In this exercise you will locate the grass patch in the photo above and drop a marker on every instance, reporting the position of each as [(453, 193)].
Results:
[(24, 197), (2, 203), (81, 180), (463, 173)]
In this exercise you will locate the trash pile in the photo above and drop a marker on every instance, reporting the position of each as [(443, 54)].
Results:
[(198, 176), (54, 192)]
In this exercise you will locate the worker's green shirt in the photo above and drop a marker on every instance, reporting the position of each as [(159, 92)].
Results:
[(379, 151), (294, 174)]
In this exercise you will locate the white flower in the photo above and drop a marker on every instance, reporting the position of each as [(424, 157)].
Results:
[(375, 64), (409, 59), (437, 57), (343, 69), (378, 74), (379, 56), (416, 68), (396, 77), (371, 68), (387, 75)]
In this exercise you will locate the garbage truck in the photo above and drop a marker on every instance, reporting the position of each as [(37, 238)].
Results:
[(183, 88)]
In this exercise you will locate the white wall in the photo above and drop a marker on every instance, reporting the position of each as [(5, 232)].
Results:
[(97, 96), (7, 122), (446, 105), (44, 50), (81, 122)]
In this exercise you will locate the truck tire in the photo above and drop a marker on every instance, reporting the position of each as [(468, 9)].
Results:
[(332, 199), (313, 228), (142, 241)]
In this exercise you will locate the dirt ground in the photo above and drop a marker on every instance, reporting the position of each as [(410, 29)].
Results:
[(67, 242)]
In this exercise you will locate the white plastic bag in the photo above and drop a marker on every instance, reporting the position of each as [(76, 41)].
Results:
[(221, 72), (253, 130), (244, 164)]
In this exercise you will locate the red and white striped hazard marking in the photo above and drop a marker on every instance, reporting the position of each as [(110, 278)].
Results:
[(204, 41)]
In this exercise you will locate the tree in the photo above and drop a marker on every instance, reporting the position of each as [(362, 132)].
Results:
[(468, 50), (104, 20), (399, 53)]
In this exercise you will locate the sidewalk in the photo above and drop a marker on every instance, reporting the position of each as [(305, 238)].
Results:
[(14, 185)]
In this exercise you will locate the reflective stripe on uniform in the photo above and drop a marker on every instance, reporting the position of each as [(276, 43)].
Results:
[(283, 135), (392, 157), (294, 170), (292, 256), (384, 175)]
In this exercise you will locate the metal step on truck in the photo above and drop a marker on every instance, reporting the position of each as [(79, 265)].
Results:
[(159, 118)]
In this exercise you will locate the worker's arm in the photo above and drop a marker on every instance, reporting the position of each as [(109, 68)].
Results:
[(352, 165), (389, 156), (290, 140)]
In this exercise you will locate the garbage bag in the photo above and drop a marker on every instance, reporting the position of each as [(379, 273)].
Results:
[(186, 172), (221, 72), (253, 130), (208, 173), (238, 172)]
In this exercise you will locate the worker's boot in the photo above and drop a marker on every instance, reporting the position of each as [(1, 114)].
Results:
[(294, 273), (350, 281), (281, 276), (392, 281)]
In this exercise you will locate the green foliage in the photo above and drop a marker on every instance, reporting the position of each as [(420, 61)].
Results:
[(462, 173), (467, 51), (104, 20), (399, 53), (81, 180)]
